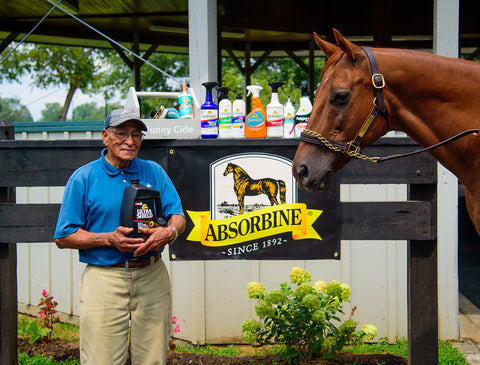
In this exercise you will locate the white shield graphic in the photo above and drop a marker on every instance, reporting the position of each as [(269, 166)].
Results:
[(246, 182)]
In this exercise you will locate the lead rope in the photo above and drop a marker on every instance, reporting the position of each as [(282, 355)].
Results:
[(355, 154), (451, 139)]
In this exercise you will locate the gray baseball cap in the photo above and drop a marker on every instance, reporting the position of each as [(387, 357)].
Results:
[(120, 116)]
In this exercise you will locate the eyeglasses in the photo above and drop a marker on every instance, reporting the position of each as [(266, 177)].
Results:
[(123, 135)]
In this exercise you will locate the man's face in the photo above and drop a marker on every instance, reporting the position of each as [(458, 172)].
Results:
[(123, 143)]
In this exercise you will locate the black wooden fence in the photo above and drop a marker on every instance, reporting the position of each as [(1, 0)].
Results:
[(50, 163)]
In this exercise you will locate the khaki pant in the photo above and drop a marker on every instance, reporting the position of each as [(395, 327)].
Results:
[(117, 301)]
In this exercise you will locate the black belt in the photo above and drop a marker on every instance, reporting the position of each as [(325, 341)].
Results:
[(137, 263)]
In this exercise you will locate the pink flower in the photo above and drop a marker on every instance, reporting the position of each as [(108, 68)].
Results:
[(41, 313), (44, 293), (176, 329), (174, 320)]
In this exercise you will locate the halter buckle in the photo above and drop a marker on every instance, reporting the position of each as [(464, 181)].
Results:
[(352, 148), (378, 81)]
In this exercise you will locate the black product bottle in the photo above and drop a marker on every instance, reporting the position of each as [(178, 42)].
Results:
[(141, 208)]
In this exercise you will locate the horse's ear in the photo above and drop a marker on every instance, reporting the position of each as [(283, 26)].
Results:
[(346, 46), (326, 47)]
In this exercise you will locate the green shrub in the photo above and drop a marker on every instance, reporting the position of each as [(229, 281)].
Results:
[(303, 318)]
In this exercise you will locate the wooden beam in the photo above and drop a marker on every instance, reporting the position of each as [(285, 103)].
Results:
[(236, 61), (27, 163), (136, 81), (248, 76), (422, 289), (260, 60), (382, 23), (311, 69), (150, 51), (8, 274), (8, 39), (298, 61), (122, 55), (202, 44), (360, 221), (387, 220)]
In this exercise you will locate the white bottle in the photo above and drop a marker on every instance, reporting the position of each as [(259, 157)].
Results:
[(238, 117), (289, 120), (275, 113), (224, 113), (303, 112)]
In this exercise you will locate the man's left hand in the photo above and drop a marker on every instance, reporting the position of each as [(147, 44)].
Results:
[(155, 239)]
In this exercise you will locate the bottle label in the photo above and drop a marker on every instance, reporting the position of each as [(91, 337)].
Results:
[(289, 128), (255, 119), (238, 119), (225, 120), (275, 123), (209, 117), (302, 118), (299, 127), (300, 124), (209, 123), (185, 106)]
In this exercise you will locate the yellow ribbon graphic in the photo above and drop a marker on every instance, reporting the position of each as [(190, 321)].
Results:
[(295, 218)]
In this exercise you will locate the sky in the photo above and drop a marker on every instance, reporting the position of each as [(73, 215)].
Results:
[(34, 98)]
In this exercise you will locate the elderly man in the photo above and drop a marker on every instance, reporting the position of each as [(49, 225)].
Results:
[(125, 288)]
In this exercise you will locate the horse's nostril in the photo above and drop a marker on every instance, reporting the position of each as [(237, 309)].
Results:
[(302, 172)]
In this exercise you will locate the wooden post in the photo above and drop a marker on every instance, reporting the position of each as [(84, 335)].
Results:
[(8, 275), (202, 44), (422, 291)]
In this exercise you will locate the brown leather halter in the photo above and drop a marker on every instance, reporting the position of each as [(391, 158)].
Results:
[(352, 148)]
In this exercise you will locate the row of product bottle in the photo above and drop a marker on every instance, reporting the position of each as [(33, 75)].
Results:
[(228, 120)]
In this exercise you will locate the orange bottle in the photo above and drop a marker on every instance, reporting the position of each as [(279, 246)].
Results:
[(256, 120)]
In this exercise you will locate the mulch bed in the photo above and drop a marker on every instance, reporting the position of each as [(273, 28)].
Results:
[(60, 350)]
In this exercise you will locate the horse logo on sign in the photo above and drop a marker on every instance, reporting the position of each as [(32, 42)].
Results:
[(260, 180), (244, 185)]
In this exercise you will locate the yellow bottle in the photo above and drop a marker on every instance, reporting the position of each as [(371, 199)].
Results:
[(256, 121)]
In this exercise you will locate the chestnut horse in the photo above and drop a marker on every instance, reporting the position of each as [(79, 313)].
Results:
[(431, 98)]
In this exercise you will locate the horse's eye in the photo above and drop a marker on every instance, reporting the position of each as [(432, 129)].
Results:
[(341, 98)]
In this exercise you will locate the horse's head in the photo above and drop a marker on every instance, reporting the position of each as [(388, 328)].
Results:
[(228, 170), (342, 103)]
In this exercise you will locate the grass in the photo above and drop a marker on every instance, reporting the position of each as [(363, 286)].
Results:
[(24, 359), (448, 355), (67, 331), (230, 350)]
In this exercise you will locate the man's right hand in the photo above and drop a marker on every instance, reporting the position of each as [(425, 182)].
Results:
[(121, 242)]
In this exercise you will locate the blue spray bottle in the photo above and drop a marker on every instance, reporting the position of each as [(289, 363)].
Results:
[(209, 113)]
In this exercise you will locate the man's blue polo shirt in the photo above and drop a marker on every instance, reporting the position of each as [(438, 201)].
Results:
[(93, 196)]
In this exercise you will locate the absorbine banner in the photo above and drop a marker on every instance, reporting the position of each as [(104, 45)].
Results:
[(246, 205)]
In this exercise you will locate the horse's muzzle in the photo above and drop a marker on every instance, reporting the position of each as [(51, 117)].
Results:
[(310, 182)]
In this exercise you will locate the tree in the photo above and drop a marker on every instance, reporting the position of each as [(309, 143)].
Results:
[(75, 67), (51, 112), (13, 111), (91, 111), (87, 111)]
